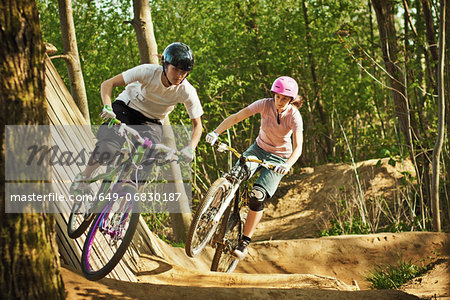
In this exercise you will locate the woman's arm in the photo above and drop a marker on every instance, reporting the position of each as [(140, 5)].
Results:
[(107, 87), (297, 139), (233, 119)]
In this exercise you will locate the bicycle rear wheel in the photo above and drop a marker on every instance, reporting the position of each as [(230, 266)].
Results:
[(81, 216), (203, 227), (79, 220), (230, 233), (109, 236)]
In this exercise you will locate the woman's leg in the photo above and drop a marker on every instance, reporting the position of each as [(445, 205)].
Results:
[(256, 207), (253, 219)]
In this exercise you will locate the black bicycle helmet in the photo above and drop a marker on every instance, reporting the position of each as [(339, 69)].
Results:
[(179, 55)]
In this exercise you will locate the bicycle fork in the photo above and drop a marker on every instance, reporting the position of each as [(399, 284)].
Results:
[(225, 204)]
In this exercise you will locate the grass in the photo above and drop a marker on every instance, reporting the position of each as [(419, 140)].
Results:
[(393, 276)]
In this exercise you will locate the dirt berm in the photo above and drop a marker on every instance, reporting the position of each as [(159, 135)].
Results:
[(287, 262)]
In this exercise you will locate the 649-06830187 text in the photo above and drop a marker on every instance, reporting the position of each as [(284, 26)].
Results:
[(142, 197), (56, 197)]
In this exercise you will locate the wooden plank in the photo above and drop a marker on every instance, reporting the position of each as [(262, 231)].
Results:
[(61, 117), (59, 86), (62, 90), (62, 110), (65, 113), (70, 254), (149, 240)]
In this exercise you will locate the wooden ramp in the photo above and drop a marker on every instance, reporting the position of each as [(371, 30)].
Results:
[(71, 133)]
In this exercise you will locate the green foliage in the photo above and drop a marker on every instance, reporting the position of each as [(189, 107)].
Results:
[(159, 224), (346, 221), (240, 47), (355, 226), (393, 276), (106, 45)]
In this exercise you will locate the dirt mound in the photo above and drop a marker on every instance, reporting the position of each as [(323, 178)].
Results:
[(78, 287), (348, 258), (282, 267), (158, 271), (434, 282), (301, 206)]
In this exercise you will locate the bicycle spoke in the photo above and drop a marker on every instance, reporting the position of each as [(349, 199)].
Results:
[(109, 237), (203, 227)]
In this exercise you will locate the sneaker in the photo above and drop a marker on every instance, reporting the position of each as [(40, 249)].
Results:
[(80, 185), (242, 249)]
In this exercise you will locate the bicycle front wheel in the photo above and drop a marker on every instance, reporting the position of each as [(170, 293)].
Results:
[(230, 233), (110, 235), (203, 226)]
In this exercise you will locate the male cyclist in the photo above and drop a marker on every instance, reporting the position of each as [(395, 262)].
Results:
[(151, 93), (280, 119)]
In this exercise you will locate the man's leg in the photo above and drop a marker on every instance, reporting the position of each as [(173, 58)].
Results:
[(107, 146)]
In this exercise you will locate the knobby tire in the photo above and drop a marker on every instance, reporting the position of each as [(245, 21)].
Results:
[(195, 243), (117, 256), (230, 230)]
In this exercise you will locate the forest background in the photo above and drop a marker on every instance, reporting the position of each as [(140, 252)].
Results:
[(333, 49)]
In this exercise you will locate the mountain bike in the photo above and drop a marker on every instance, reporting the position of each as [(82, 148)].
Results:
[(218, 208), (117, 202)]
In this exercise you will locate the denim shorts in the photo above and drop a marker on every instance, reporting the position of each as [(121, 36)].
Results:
[(268, 179)]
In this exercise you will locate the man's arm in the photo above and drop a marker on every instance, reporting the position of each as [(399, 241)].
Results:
[(196, 132), (107, 87)]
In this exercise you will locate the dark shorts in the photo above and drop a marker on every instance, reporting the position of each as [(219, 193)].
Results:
[(109, 144), (268, 179)]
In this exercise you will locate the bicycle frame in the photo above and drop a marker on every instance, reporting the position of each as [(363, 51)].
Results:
[(116, 223), (238, 174), (135, 158)]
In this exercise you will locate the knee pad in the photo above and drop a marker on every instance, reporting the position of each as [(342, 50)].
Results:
[(257, 197)]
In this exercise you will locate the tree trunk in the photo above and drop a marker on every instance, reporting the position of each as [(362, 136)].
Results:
[(29, 264), (319, 106), (441, 121), (384, 10), (430, 31), (72, 58), (143, 25), (180, 221), (447, 107)]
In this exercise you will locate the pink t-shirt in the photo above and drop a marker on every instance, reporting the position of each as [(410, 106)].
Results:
[(273, 137)]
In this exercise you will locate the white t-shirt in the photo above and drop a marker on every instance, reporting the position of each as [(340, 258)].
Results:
[(275, 137), (146, 93)]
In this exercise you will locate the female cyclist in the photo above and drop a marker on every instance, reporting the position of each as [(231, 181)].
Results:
[(280, 119)]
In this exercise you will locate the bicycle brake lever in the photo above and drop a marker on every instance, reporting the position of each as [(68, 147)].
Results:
[(121, 130), (221, 147), (267, 165), (171, 156)]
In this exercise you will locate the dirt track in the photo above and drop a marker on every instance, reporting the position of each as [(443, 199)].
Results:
[(302, 269), (305, 268)]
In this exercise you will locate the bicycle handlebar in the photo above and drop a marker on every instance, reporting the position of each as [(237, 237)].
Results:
[(223, 147)]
